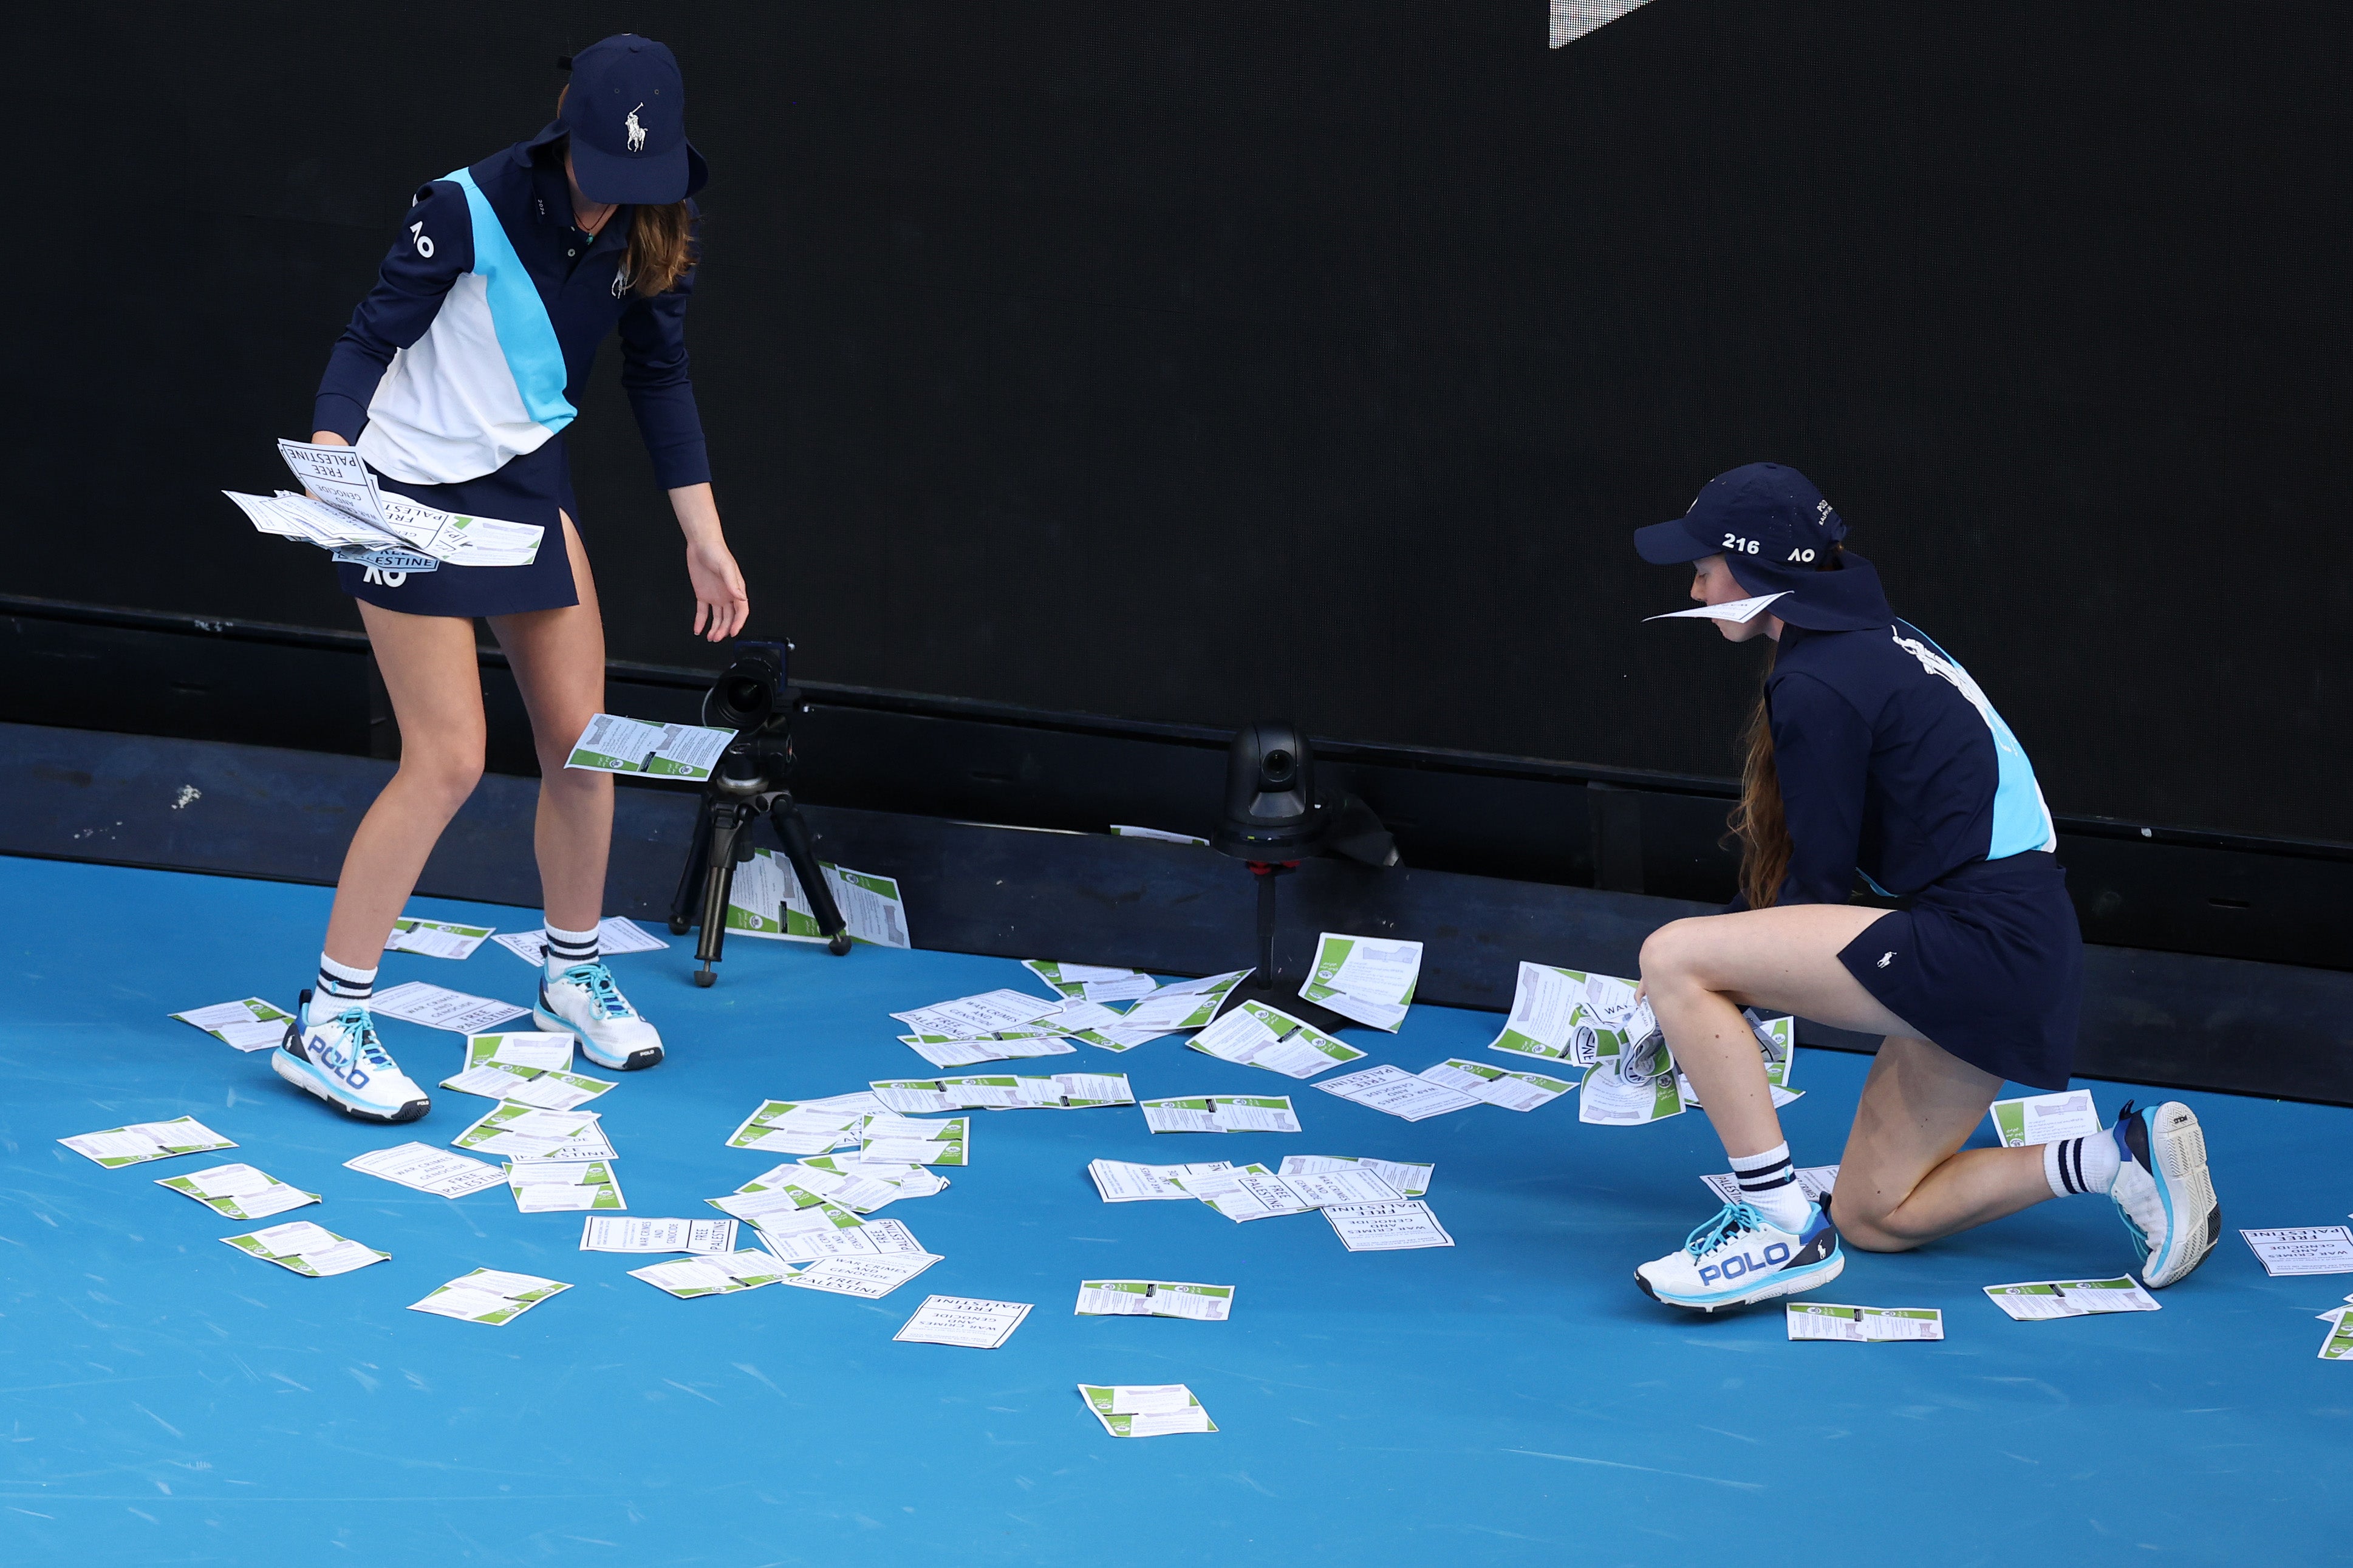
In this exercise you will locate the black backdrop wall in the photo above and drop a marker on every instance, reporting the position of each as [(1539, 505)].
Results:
[(1202, 362)]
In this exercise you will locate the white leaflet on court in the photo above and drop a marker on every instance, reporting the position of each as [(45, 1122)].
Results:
[(1120, 1182), (1739, 610), (1182, 1004), (875, 1237), (248, 1024), (428, 1170), (973, 1053), (1863, 1325), (1247, 1192), (1815, 1181), (1369, 969), (1513, 1090), (435, 939), (2043, 1117), (1395, 1092), (1220, 1113), (971, 1017), (437, 1008), (1155, 1299), (621, 1232), (614, 935), (868, 1279), (2302, 1249), (1387, 1227), (970, 1320), (714, 1274), (2049, 1299), (1409, 1179)]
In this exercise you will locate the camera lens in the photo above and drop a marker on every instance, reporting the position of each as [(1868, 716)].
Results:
[(745, 695), (1278, 767)]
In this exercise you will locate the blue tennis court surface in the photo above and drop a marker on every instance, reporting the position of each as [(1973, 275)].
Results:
[(1510, 1400)]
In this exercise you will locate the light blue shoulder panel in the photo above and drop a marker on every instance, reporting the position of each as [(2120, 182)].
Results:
[(526, 336), (2021, 820)]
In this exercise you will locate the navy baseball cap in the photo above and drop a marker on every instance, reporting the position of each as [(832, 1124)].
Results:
[(625, 113), (1775, 532)]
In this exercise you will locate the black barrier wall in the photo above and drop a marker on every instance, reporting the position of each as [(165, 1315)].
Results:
[(1198, 363)]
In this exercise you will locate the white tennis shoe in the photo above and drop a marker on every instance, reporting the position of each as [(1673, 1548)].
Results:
[(583, 1002), (1740, 1257), (341, 1061), (2164, 1190)]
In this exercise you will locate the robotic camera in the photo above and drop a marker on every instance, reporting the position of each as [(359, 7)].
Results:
[(753, 778)]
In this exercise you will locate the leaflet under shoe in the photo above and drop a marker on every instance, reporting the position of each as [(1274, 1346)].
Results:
[(2164, 1190), (340, 1059), (583, 1002), (1740, 1257)]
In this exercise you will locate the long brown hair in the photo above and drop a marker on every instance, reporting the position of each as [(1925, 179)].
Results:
[(661, 238), (1759, 821)]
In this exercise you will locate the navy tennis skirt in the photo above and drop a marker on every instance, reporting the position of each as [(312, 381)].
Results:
[(531, 489), (1987, 963)]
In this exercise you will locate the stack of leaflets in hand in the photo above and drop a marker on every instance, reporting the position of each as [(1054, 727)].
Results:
[(437, 1007), (306, 1248), (1407, 1178), (900, 1141), (1497, 1086), (1122, 1183), (238, 1192), (1261, 1036), (1063, 1091), (1364, 978), (713, 1274), (803, 1126), (1633, 1081), (1155, 1299), (1564, 1014), (614, 935), (348, 513), (1089, 981), (1395, 1092), (765, 900), (526, 1132), (602, 1233), (2070, 1298), (428, 1170), (1179, 1005), (552, 1186), (526, 1068), (867, 1279), (612, 744), (490, 1295), (144, 1140), (1146, 1410), (1222, 1113), (1814, 1181), (1392, 1226), (250, 1025), (1866, 1325), (972, 1322), (435, 939)]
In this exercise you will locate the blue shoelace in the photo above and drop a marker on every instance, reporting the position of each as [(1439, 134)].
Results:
[(359, 1029), (1729, 1221), (597, 981)]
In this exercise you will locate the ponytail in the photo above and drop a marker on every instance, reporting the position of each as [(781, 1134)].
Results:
[(1759, 821)]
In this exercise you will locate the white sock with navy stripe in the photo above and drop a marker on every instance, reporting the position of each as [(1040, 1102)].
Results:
[(566, 947), (1768, 1183), (2086, 1165), (340, 986)]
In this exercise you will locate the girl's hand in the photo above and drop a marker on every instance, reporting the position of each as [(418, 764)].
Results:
[(719, 596)]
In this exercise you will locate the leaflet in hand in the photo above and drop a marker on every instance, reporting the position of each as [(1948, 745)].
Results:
[(428, 1170), (1408, 1179), (306, 1248), (765, 900), (1495, 1085), (1262, 1037), (612, 744), (1155, 1299), (614, 935), (714, 1274), (1222, 1113), (2070, 1298), (415, 1002), (1393, 1226), (970, 1320), (1122, 1183), (489, 1295), (1395, 1092), (351, 509), (1633, 1081), (1156, 1410), (144, 1140), (238, 1192), (250, 1025), (1182, 1004), (553, 1186), (607, 1233), (1365, 978), (1092, 982), (1864, 1325), (435, 939), (1570, 1015)]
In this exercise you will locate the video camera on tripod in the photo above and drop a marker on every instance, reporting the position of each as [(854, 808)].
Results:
[(751, 778)]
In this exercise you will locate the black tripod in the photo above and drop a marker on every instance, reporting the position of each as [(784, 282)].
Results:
[(753, 778), (1266, 987)]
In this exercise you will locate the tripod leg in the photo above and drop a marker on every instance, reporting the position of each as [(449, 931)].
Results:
[(1266, 876), (690, 875), (727, 821), (801, 851)]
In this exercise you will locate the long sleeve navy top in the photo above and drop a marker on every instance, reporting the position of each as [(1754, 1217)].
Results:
[(490, 232)]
